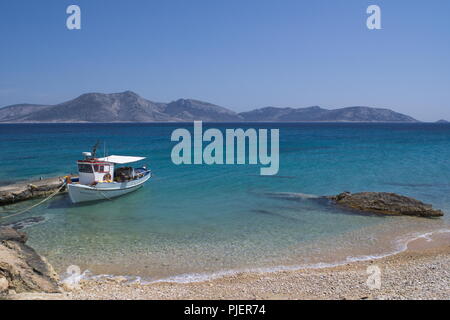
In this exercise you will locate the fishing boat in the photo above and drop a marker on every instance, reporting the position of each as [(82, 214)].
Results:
[(101, 179)]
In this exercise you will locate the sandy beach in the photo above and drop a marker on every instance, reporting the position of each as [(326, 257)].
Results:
[(420, 272)]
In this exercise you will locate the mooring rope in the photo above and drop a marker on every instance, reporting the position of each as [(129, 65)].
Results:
[(37, 204)]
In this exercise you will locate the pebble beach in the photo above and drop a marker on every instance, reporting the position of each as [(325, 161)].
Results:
[(420, 272)]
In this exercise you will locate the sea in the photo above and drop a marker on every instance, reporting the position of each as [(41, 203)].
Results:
[(197, 222)]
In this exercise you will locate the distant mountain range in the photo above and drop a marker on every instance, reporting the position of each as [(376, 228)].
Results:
[(349, 114), (130, 107)]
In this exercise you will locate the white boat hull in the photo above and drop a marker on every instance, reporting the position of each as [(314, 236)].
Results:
[(104, 191)]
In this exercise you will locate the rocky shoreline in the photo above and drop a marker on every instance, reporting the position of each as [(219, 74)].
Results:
[(420, 272), (21, 268), (22, 191)]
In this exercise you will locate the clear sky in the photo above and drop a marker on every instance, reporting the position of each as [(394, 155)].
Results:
[(240, 54)]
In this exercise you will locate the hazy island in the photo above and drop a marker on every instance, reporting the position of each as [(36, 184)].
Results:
[(130, 107)]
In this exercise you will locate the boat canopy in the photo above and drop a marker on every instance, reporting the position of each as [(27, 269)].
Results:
[(121, 159)]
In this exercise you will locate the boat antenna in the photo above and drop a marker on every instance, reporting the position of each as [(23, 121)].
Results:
[(94, 149)]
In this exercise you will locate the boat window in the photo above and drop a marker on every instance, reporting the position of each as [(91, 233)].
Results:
[(101, 168), (85, 168)]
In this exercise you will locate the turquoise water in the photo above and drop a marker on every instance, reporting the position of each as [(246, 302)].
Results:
[(211, 219)]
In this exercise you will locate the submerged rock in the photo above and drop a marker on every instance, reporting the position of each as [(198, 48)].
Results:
[(23, 223), (21, 268), (386, 203)]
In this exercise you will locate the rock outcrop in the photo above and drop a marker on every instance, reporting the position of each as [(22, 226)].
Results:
[(386, 203), (21, 268), (22, 191)]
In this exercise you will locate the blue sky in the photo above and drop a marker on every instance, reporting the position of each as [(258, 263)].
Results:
[(240, 54)]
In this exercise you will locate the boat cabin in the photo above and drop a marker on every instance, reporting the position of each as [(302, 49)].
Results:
[(92, 170)]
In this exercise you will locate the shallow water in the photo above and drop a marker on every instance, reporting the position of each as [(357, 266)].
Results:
[(209, 219)]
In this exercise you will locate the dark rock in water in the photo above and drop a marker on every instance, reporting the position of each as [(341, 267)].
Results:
[(21, 268), (24, 223), (386, 203)]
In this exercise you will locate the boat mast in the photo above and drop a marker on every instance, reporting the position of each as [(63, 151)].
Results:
[(94, 149)]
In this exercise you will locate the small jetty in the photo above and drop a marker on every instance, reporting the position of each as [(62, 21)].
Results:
[(27, 190)]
